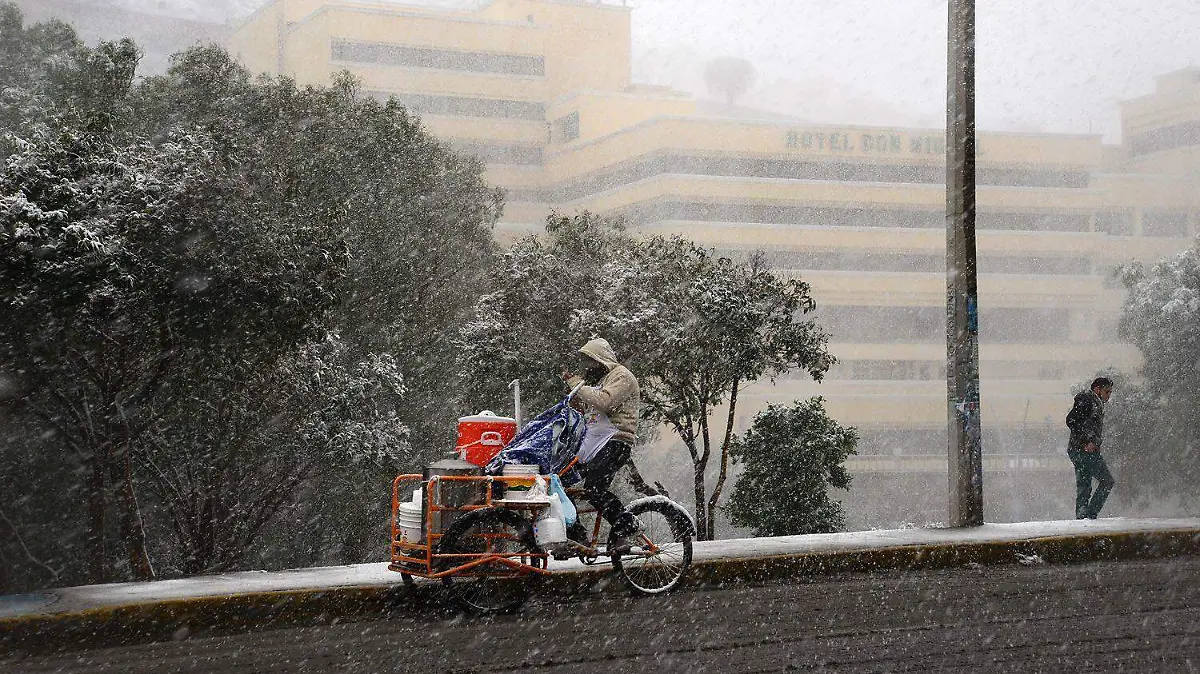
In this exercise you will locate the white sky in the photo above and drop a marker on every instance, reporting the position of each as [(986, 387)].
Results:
[(1051, 65)]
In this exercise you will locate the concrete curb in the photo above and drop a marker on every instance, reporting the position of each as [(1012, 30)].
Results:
[(223, 614)]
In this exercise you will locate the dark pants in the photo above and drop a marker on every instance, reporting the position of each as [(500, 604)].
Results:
[(598, 474), (1089, 465)]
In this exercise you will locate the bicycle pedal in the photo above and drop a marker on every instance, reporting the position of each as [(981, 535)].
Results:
[(568, 549)]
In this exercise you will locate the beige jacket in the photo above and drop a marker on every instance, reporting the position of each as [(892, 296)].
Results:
[(618, 394)]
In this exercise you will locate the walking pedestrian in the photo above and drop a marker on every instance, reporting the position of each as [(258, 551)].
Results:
[(1086, 421)]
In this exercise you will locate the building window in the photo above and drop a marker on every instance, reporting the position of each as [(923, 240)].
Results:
[(566, 128), (846, 172), (644, 167), (892, 325), (1167, 138), (886, 370), (883, 325), (462, 106), (499, 153), (902, 442), (990, 263), (1033, 222), (665, 210), (1028, 178), (1115, 223), (1164, 223), (931, 370), (781, 214), (1004, 325), (516, 195), (440, 59), (883, 261)]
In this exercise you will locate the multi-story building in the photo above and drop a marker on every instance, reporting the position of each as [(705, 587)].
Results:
[(542, 91)]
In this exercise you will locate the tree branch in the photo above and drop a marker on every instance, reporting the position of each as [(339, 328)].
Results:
[(21, 542)]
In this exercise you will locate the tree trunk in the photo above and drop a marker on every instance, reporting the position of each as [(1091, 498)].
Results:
[(715, 496), (700, 466), (701, 511), (133, 532), (98, 571)]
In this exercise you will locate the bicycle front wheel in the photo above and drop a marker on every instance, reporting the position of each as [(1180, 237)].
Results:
[(662, 552)]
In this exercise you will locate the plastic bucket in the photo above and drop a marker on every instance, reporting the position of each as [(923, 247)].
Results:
[(520, 479), (409, 520), (482, 436)]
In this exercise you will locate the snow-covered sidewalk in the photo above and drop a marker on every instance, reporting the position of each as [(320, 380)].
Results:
[(86, 599)]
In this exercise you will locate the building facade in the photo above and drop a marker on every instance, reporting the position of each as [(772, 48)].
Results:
[(541, 90)]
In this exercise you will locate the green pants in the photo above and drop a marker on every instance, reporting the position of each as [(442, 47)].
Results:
[(1089, 466)]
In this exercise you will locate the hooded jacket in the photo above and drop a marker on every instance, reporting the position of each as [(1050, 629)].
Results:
[(617, 395), (1086, 421)]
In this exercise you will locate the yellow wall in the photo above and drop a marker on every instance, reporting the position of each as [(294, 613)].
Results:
[(587, 54), (256, 43), (590, 43), (602, 114)]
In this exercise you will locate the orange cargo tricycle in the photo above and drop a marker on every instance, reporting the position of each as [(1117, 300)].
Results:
[(489, 538)]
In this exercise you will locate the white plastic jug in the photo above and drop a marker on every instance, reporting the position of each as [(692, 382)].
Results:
[(550, 529)]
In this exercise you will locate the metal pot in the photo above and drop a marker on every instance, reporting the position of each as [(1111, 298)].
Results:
[(449, 494)]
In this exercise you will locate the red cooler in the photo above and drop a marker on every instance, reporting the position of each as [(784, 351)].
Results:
[(482, 436)]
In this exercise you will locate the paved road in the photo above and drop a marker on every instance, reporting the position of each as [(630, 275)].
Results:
[(1102, 617)]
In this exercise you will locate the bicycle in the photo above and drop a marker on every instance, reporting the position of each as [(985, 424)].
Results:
[(489, 559)]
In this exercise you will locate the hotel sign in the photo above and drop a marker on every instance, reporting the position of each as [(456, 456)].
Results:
[(860, 142)]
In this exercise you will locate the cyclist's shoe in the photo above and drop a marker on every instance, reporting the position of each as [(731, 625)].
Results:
[(623, 543), (567, 549), (561, 551), (620, 545)]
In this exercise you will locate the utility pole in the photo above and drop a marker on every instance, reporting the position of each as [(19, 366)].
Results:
[(962, 289)]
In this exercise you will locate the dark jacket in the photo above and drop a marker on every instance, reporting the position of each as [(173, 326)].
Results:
[(1086, 421)]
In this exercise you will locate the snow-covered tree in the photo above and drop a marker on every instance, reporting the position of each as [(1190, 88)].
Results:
[(709, 328), (415, 216), (1152, 435), (549, 296), (120, 263), (47, 75), (729, 77), (792, 456), (245, 440), (28, 57), (694, 327), (178, 243)]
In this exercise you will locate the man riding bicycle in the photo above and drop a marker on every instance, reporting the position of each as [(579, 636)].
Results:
[(610, 397)]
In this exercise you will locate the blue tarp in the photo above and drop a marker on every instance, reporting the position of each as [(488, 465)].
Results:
[(549, 440)]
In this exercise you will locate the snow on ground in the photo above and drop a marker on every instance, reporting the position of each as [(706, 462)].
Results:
[(375, 575)]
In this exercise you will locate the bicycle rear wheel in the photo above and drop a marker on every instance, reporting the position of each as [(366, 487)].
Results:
[(662, 553), (493, 587)]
